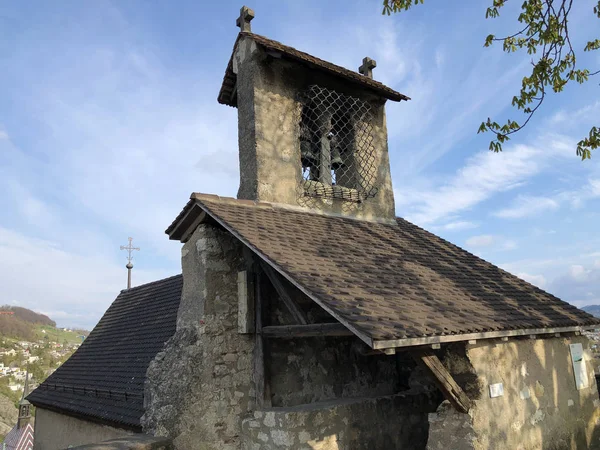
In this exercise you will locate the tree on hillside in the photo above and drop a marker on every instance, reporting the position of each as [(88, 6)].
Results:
[(544, 33)]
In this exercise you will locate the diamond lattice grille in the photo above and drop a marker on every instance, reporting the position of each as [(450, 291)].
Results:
[(336, 145)]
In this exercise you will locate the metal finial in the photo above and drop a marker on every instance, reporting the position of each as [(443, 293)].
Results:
[(246, 15), (367, 67), (130, 248)]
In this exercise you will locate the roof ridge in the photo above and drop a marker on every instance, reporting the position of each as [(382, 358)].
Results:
[(284, 206), (230, 78), (371, 80), (151, 283)]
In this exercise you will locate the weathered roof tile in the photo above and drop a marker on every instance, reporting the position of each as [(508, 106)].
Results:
[(389, 281), (104, 379)]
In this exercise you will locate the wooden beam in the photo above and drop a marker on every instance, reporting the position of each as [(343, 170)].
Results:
[(285, 296), (414, 342), (311, 330), (246, 316), (452, 391), (263, 396)]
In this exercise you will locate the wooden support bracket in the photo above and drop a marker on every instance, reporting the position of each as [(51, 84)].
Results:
[(283, 293), (452, 391)]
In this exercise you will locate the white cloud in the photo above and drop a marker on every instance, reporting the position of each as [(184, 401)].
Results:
[(580, 285), (43, 276), (595, 187), (483, 176), (484, 240), (488, 240), (566, 118), (526, 206), (457, 226), (536, 280), (578, 272)]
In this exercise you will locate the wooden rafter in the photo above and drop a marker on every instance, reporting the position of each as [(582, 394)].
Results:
[(283, 293), (451, 390)]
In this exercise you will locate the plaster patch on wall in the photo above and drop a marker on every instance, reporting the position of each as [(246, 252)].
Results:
[(517, 425), (539, 389), (537, 417), (184, 252), (525, 394), (329, 443), (570, 402), (524, 371)]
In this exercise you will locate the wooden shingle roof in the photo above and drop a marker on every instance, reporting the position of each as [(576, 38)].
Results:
[(391, 284), (104, 379)]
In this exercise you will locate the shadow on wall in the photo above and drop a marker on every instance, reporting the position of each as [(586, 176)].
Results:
[(390, 422), (540, 407)]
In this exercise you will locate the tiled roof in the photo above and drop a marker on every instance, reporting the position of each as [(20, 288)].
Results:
[(388, 282), (229, 81), (104, 379), (19, 438)]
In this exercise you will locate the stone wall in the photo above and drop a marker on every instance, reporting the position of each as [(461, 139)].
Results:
[(200, 386), (541, 407), (54, 431), (317, 369), (384, 423), (269, 137)]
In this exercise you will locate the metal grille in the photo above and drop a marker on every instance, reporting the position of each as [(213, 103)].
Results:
[(336, 146)]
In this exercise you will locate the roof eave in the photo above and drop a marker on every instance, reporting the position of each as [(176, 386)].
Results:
[(227, 92), (137, 428), (186, 222), (431, 340)]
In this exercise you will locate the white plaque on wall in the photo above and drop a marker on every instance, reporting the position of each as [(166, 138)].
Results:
[(496, 390), (581, 378)]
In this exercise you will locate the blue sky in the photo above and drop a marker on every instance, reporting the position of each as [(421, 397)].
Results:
[(109, 120)]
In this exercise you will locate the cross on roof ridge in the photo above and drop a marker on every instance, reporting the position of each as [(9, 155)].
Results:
[(367, 67), (246, 15)]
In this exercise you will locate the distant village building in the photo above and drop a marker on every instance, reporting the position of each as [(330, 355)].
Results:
[(21, 437), (308, 316)]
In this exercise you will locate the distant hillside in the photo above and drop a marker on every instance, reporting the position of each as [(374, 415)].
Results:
[(23, 324), (29, 316), (594, 310)]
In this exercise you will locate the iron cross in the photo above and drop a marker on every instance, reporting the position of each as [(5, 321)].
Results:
[(246, 15), (367, 67), (130, 248)]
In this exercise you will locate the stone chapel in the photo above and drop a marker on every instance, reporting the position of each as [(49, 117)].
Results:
[(309, 316)]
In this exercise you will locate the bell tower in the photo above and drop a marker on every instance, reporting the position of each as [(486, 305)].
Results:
[(24, 406), (311, 133)]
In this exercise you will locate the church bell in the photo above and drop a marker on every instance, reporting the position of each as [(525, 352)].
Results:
[(336, 157)]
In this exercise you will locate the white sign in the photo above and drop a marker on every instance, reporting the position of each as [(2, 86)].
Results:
[(496, 390), (581, 378)]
